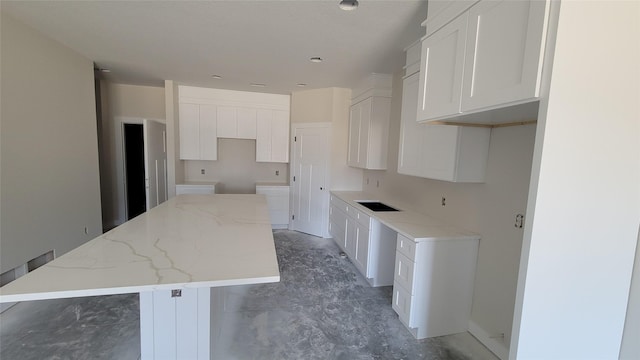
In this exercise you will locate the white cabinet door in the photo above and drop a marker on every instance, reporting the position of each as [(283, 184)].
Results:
[(280, 136), (351, 238), (411, 132), (368, 133), (264, 140), (227, 122), (272, 136), (208, 133), (246, 123), (440, 152), (236, 123), (442, 61), (198, 139), (189, 125), (361, 255), (504, 57), (354, 136), (363, 138)]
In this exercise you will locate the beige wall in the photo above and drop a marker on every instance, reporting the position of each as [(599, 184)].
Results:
[(330, 105), (49, 181), (489, 209), (175, 168), (236, 168), (128, 101)]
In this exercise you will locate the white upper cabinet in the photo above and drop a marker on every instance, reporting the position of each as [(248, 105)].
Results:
[(504, 63), (207, 114), (272, 137), (411, 132), (198, 140), (442, 152), (369, 123), (368, 133), (236, 122), (441, 67), (488, 57)]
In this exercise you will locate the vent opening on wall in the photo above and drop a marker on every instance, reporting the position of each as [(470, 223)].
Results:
[(10, 275)]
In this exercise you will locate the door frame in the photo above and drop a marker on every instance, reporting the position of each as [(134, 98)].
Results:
[(325, 199), (121, 210)]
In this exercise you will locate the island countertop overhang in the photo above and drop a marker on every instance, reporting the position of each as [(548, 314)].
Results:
[(190, 241)]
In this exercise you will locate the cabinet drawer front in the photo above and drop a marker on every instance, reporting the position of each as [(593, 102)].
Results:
[(406, 247), (403, 304), (360, 217), (339, 204), (404, 272)]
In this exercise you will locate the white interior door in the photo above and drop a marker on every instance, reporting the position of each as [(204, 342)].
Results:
[(310, 195), (155, 157)]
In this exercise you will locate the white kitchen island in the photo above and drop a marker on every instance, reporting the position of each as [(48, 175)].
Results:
[(175, 255)]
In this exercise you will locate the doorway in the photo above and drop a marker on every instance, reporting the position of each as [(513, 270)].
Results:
[(135, 192)]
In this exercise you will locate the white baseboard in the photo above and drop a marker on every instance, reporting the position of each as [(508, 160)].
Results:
[(496, 346)]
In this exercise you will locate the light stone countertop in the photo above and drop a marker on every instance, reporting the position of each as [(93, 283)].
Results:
[(190, 241), (271, 184), (414, 225), (198, 183)]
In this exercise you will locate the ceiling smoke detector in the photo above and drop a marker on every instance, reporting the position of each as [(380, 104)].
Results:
[(348, 5)]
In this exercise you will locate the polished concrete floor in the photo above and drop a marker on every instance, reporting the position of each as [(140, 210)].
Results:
[(321, 309)]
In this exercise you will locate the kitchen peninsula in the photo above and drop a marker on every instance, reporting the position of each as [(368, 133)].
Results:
[(175, 255)]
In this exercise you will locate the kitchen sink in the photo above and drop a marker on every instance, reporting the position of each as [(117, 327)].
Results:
[(376, 206)]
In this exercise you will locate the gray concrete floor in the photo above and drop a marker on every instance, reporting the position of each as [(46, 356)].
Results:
[(321, 309)]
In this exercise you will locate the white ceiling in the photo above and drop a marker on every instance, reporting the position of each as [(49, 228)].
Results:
[(269, 42)]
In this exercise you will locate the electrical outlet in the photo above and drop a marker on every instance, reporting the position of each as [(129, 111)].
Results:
[(519, 221), (444, 201), (277, 172), (86, 230), (202, 171)]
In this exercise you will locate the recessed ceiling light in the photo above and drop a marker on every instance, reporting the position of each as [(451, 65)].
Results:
[(348, 5), (301, 85), (316, 59), (216, 76), (257, 85)]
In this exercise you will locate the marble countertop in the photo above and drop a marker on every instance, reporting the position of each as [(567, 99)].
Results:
[(271, 184), (198, 183), (407, 222), (189, 241)]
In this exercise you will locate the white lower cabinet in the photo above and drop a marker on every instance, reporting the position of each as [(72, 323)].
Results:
[(278, 203), (367, 242), (195, 188), (433, 285)]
